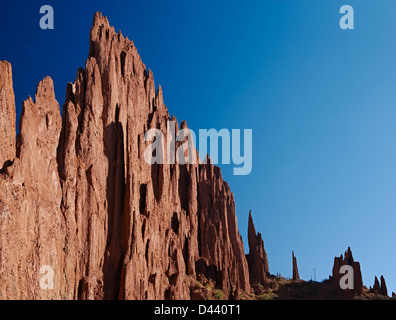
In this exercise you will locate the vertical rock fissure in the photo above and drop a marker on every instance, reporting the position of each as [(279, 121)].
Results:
[(115, 199)]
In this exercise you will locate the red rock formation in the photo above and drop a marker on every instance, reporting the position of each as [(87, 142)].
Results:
[(296, 275), (376, 288), (384, 290), (357, 275), (257, 257), (379, 288), (7, 114), (80, 197), (31, 221)]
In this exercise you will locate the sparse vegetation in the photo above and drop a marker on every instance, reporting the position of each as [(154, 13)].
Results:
[(218, 294), (280, 288), (268, 296), (208, 286)]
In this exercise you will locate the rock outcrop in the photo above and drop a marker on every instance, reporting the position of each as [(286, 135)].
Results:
[(7, 114), (296, 275), (347, 259), (379, 287), (78, 199), (376, 287), (257, 257), (31, 221)]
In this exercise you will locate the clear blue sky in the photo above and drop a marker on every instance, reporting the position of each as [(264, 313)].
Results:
[(321, 102)]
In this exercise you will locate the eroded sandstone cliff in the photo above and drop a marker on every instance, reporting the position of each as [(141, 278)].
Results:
[(80, 205), (76, 193)]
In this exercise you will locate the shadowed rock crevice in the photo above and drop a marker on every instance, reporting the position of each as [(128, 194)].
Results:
[(114, 140), (175, 223), (143, 199)]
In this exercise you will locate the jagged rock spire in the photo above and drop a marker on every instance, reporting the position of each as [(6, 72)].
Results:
[(7, 114), (376, 287), (296, 275), (347, 259), (384, 289), (80, 197), (257, 257), (32, 226)]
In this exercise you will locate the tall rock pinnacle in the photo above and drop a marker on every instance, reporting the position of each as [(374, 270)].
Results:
[(7, 114), (296, 275), (257, 257), (384, 290), (31, 220)]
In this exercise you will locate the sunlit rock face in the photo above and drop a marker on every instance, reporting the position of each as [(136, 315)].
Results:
[(77, 195)]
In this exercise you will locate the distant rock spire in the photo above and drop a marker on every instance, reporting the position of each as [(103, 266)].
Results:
[(296, 275), (7, 114)]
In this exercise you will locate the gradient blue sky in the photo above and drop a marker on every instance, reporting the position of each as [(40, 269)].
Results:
[(321, 102)]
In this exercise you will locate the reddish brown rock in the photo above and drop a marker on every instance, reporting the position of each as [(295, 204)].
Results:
[(347, 259), (81, 198), (257, 257), (31, 221), (296, 275), (7, 114), (379, 287), (384, 290)]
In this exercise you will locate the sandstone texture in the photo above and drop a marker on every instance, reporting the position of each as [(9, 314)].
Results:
[(7, 114), (76, 193), (31, 220)]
